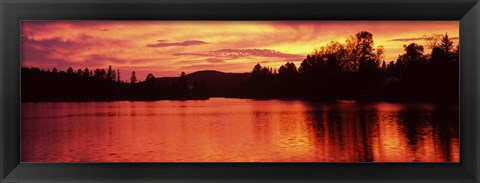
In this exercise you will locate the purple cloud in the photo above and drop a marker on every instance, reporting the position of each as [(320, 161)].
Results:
[(95, 59), (212, 66), (48, 43), (164, 43), (237, 53), (52, 52), (81, 42), (32, 56)]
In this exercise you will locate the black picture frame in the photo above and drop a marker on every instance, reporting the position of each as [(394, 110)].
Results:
[(14, 11)]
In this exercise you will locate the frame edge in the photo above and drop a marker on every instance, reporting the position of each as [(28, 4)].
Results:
[(470, 72), (4, 172)]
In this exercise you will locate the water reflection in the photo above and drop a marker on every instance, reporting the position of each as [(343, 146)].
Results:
[(239, 130)]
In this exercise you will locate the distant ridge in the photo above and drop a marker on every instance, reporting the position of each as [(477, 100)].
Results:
[(220, 83)]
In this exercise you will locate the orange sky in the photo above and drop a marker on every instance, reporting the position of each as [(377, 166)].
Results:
[(166, 48)]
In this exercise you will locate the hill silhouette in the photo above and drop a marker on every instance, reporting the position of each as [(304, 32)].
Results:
[(220, 84)]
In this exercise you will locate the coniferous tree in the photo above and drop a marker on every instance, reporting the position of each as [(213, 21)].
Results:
[(110, 73), (133, 78), (69, 70), (446, 44), (86, 72), (118, 75), (79, 72)]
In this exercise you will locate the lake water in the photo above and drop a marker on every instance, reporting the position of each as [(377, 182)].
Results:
[(239, 130)]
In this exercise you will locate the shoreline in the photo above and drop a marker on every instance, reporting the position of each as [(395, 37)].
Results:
[(262, 99)]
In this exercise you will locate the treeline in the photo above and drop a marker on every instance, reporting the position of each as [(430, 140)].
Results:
[(104, 85), (356, 70), (353, 70)]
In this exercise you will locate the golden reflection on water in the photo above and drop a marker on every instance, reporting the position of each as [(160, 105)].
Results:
[(239, 130)]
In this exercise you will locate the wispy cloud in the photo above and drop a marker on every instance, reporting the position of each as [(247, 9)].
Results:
[(238, 53), (215, 66), (410, 39), (62, 53), (96, 59), (164, 43)]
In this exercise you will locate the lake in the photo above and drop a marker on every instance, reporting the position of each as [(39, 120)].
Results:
[(239, 130)]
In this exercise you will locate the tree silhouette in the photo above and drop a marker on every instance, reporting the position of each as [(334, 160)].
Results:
[(100, 74), (288, 70), (439, 57), (456, 52), (288, 78), (69, 70), (310, 65), (413, 55), (86, 73), (379, 53), (133, 78), (446, 44), (150, 77), (257, 69), (182, 90), (118, 75), (114, 76), (183, 79), (365, 52), (391, 68), (432, 40), (110, 73)]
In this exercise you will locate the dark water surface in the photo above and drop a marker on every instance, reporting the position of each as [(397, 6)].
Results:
[(239, 130)]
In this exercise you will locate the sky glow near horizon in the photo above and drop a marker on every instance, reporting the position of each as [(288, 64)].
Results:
[(166, 48)]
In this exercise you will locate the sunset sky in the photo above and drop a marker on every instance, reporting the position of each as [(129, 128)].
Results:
[(166, 48)]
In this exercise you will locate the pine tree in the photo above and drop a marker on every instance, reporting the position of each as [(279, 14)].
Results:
[(133, 78)]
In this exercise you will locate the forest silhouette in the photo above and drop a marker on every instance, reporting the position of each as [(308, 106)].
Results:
[(354, 70)]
